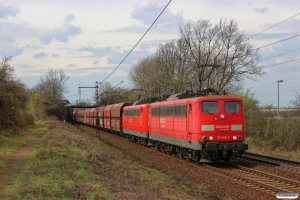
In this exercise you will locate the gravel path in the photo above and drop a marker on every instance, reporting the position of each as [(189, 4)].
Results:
[(17, 160)]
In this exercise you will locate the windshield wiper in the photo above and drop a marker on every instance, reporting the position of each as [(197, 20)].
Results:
[(208, 111)]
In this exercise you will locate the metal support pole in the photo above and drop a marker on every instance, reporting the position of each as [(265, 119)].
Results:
[(279, 81), (97, 96)]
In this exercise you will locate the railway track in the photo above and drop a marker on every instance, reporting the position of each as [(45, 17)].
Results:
[(255, 179), (268, 160)]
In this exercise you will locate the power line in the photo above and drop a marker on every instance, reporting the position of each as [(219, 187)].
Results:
[(280, 54), (88, 90), (279, 41), (285, 69), (282, 63), (281, 92), (137, 42), (273, 26), (260, 86), (286, 82)]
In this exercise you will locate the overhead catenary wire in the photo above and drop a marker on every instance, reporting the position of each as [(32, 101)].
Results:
[(273, 26), (262, 86), (110, 88), (285, 69), (138, 41), (282, 63), (281, 54), (271, 85), (285, 91), (278, 41), (286, 83)]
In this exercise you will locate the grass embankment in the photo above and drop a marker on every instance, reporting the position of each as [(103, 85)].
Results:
[(9, 144), (67, 163), (263, 147)]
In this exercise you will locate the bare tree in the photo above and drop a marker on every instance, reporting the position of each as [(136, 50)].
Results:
[(223, 45), (296, 103), (165, 72), (109, 94), (53, 84), (84, 102), (174, 72), (144, 74), (191, 61)]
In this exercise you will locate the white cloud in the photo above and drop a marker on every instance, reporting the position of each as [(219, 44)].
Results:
[(261, 10), (149, 12), (98, 52), (167, 23), (61, 34), (39, 55), (71, 65), (7, 11), (9, 49)]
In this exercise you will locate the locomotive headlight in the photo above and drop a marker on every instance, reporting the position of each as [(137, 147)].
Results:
[(204, 137), (240, 137), (211, 138), (222, 116), (234, 137)]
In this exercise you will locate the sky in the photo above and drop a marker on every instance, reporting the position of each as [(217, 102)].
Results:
[(88, 39)]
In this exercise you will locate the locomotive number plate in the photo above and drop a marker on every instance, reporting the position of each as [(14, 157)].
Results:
[(223, 137)]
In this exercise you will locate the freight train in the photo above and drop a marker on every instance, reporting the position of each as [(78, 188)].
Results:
[(204, 127)]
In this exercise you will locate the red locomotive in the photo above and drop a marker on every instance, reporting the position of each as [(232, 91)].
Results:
[(209, 127), (136, 123)]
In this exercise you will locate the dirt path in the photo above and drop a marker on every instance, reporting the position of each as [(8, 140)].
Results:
[(17, 160)]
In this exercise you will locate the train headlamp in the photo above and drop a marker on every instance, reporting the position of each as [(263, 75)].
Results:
[(234, 137), (222, 116), (210, 137)]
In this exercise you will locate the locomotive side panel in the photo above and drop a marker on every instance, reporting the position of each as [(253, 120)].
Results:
[(168, 124), (135, 120)]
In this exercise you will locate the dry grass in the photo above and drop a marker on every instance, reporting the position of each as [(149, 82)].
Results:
[(260, 146), (271, 136), (69, 164)]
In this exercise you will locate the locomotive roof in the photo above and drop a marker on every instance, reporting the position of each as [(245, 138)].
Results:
[(137, 106), (201, 98)]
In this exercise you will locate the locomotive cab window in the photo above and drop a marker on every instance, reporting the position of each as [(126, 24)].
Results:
[(232, 107), (210, 107)]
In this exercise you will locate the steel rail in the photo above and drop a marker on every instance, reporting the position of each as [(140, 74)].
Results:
[(272, 160), (278, 182), (253, 183)]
